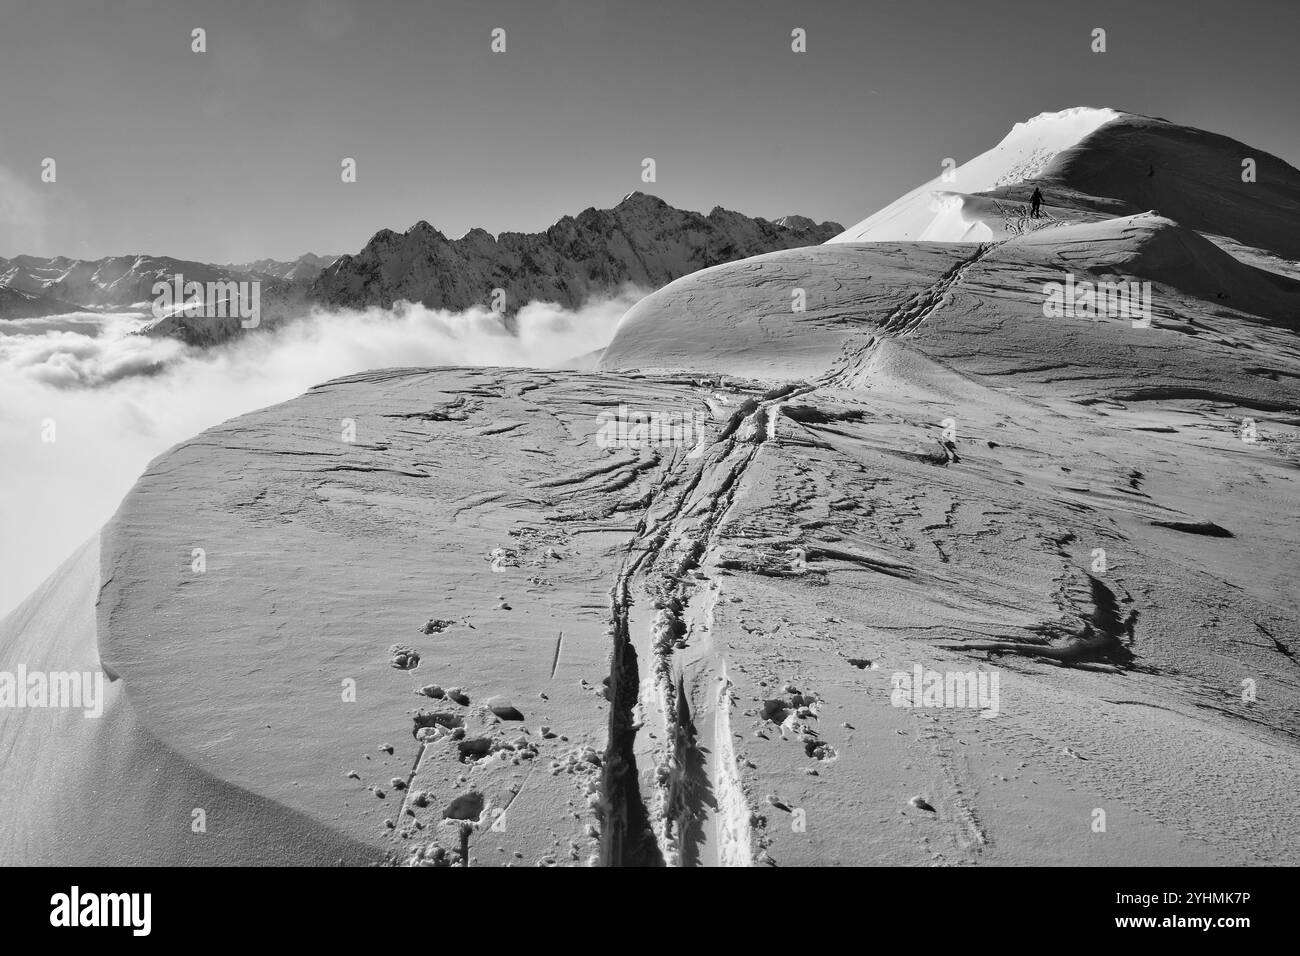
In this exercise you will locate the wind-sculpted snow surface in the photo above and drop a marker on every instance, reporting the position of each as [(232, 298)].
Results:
[(889, 552)]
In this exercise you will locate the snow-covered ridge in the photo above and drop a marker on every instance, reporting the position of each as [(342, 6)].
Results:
[(1089, 115), (1023, 154), (1097, 164)]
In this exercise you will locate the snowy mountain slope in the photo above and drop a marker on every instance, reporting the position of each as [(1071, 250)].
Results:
[(1188, 175), (738, 318), (487, 605), (767, 582), (17, 304), (110, 784), (1092, 163), (705, 631), (33, 274), (1024, 154)]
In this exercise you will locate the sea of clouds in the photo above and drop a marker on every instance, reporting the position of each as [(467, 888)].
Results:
[(117, 399)]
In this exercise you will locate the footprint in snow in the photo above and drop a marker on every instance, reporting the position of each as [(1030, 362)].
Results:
[(467, 806), (502, 707), (403, 657)]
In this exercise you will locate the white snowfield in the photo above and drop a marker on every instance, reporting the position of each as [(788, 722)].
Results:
[(867, 552)]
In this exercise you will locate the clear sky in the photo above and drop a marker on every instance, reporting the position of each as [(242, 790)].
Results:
[(235, 153)]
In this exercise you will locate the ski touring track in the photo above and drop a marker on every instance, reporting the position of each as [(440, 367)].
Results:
[(659, 784), (671, 789)]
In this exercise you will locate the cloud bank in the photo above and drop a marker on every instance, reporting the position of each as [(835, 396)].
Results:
[(116, 400)]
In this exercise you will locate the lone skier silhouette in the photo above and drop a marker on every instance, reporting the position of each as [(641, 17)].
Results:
[(1035, 203)]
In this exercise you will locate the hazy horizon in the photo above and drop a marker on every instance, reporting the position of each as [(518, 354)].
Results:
[(234, 154)]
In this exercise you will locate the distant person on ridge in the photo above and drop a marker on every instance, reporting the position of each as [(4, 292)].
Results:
[(1035, 203)]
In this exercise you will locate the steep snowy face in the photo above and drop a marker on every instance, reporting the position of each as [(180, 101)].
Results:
[(933, 211), (1095, 164), (1214, 184)]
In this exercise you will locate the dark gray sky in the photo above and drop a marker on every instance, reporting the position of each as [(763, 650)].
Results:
[(234, 154)]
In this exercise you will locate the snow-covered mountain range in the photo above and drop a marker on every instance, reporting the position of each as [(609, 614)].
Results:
[(60, 284), (303, 269), (642, 242)]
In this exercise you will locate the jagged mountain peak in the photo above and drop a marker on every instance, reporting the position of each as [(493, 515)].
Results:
[(643, 241), (638, 198)]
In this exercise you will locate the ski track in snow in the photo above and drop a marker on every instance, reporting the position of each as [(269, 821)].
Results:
[(672, 808)]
